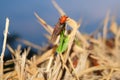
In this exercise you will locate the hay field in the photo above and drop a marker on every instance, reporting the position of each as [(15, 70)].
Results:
[(87, 56)]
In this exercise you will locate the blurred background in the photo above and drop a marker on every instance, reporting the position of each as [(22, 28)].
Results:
[(24, 24)]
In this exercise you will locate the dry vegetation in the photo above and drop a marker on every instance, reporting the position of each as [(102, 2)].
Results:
[(86, 58)]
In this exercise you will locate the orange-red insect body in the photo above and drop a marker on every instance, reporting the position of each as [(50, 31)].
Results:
[(60, 26), (63, 19)]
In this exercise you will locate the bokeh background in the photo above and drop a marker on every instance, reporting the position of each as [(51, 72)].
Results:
[(24, 24)]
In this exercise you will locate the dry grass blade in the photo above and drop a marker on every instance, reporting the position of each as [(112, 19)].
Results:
[(73, 24), (56, 69), (5, 38), (8, 62), (3, 48), (61, 12), (82, 38), (114, 27), (49, 64), (109, 76), (10, 49), (105, 26), (71, 36), (96, 68), (23, 65), (28, 43), (82, 62), (73, 69), (47, 27), (45, 56)]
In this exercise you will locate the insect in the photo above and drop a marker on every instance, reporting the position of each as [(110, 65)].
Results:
[(59, 27)]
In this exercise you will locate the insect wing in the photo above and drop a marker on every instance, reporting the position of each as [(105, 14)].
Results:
[(56, 32)]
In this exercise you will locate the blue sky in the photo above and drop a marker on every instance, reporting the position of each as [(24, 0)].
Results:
[(24, 23)]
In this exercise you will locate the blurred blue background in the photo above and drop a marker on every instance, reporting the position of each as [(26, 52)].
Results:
[(24, 23)]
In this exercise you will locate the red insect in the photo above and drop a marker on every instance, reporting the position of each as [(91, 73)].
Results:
[(63, 19), (60, 26)]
